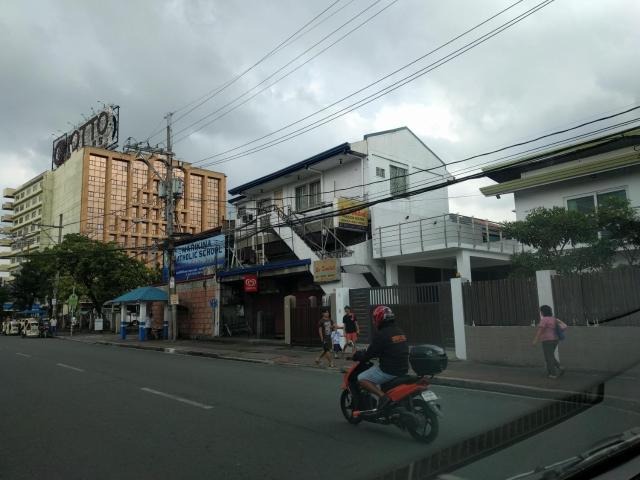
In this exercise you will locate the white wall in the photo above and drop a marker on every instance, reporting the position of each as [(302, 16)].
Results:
[(557, 194), (404, 150), (67, 193)]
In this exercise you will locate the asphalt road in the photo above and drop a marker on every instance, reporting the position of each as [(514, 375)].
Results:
[(74, 411)]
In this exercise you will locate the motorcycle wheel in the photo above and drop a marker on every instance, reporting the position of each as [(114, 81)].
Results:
[(428, 431), (347, 407)]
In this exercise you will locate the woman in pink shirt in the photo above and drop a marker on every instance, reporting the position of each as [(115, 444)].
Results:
[(546, 332)]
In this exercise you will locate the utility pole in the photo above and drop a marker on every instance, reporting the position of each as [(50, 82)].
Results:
[(170, 215), (55, 287)]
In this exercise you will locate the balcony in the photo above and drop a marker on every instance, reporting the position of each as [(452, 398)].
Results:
[(6, 218), (5, 242), (5, 267), (6, 230), (439, 233), (6, 255), (9, 192), (7, 205)]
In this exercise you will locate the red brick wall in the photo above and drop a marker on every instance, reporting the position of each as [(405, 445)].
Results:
[(194, 313)]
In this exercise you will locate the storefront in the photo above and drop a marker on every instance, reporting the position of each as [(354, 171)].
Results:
[(252, 298)]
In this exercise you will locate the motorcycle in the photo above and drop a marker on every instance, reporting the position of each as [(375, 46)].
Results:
[(413, 407)]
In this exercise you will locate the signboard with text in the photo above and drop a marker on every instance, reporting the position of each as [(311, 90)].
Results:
[(199, 258), (327, 270), (354, 220), (250, 283), (101, 130)]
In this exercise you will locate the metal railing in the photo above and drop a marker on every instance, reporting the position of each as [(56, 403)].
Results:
[(444, 231)]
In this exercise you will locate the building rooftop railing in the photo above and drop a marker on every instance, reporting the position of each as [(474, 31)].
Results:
[(441, 232)]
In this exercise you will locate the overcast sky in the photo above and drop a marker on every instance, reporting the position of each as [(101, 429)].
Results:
[(571, 61)]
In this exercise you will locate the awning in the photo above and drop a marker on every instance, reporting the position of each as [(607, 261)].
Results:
[(141, 294), (562, 174), (266, 267)]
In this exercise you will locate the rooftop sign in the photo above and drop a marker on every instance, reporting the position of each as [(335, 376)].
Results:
[(99, 131)]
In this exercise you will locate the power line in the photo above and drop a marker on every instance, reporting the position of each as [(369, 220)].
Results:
[(491, 152), (375, 82), (424, 188), (283, 67), (372, 97), (212, 93)]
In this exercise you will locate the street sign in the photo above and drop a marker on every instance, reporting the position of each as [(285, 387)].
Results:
[(173, 299), (73, 301), (250, 283)]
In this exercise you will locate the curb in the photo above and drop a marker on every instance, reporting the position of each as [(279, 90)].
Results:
[(507, 388), (173, 350), (454, 382)]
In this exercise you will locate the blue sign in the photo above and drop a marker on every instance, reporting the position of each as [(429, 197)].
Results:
[(199, 258)]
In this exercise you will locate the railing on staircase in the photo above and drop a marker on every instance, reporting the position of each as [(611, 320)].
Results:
[(297, 223)]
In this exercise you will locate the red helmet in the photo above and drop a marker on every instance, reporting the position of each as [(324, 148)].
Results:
[(382, 314)]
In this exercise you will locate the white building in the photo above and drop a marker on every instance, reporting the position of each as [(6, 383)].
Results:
[(286, 223), (383, 164), (579, 176)]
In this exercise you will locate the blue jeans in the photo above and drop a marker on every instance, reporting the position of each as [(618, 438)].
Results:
[(376, 376)]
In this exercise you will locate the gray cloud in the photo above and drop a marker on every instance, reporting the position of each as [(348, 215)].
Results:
[(569, 62)]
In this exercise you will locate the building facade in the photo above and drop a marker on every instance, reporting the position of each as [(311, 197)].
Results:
[(578, 176), (113, 197), (27, 208), (299, 231)]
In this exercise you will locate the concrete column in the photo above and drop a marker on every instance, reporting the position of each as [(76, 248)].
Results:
[(391, 274), (545, 288), (289, 305), (215, 309), (165, 322), (142, 322), (457, 304), (123, 321), (463, 264), (341, 301)]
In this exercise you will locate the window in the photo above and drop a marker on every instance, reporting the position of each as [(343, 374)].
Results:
[(397, 180), (590, 202), (242, 211), (308, 196), (380, 172), (263, 206)]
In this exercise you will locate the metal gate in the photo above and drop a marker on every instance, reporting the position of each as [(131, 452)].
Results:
[(304, 325), (423, 311)]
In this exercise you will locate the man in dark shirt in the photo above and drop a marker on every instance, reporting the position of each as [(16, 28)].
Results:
[(325, 327), (351, 329), (390, 346)]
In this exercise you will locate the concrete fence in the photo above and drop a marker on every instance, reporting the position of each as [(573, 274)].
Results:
[(610, 347)]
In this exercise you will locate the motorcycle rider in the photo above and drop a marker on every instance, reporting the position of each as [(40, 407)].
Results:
[(390, 346)]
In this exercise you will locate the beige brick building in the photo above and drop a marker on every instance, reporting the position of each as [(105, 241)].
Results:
[(114, 197)]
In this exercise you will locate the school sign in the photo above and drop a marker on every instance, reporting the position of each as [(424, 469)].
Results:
[(199, 258)]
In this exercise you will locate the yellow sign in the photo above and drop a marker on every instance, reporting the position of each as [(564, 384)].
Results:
[(358, 220), (326, 270), (173, 299)]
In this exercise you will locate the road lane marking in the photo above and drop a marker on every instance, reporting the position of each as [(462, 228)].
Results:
[(176, 398), (64, 365), (23, 354)]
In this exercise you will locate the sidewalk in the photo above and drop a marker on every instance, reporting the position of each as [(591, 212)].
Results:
[(469, 375)]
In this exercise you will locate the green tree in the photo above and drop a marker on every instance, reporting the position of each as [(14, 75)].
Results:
[(34, 280), (561, 240), (619, 223), (101, 269), (96, 270)]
